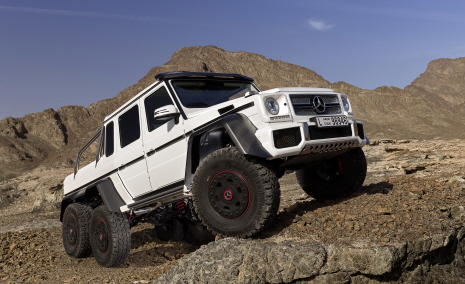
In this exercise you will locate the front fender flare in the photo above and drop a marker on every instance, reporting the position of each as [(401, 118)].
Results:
[(242, 133)]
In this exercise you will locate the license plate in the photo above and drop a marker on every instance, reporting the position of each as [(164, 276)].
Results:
[(330, 121)]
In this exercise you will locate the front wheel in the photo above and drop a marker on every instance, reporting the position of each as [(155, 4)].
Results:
[(235, 196), (334, 178), (110, 237)]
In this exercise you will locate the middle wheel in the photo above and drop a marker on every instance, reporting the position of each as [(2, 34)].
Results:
[(233, 195), (110, 237)]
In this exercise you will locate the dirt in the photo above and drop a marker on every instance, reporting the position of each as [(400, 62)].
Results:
[(37, 256), (413, 189)]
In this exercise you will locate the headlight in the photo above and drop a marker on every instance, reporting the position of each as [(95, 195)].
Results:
[(272, 106), (345, 103)]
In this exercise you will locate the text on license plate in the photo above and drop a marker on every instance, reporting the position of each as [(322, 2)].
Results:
[(328, 121)]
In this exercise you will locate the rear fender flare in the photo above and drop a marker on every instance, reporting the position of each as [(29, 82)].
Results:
[(103, 187), (110, 195)]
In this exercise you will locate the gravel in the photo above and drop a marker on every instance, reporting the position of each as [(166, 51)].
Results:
[(414, 189)]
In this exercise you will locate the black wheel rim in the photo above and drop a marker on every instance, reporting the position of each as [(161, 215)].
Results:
[(229, 194), (331, 170), (101, 236), (71, 228)]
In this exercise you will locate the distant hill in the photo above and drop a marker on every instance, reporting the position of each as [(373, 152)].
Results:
[(429, 107)]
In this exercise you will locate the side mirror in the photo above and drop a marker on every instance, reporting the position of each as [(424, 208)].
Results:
[(166, 113)]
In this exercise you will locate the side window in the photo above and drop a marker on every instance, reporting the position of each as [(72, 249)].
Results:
[(129, 126), (156, 100), (109, 139)]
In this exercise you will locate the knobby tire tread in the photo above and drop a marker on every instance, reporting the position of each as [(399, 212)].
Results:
[(83, 214), (264, 176), (120, 234)]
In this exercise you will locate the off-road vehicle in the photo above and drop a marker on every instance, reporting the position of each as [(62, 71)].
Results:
[(201, 150)]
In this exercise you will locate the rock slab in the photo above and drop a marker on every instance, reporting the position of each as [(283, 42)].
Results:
[(439, 259)]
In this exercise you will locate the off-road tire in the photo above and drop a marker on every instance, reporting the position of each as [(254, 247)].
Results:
[(171, 231), (75, 230), (234, 195), (110, 237), (335, 178)]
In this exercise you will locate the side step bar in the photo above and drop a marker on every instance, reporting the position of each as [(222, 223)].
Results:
[(162, 197)]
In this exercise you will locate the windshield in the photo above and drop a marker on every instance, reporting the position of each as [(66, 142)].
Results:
[(204, 93)]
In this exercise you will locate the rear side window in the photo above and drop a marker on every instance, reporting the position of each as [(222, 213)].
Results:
[(156, 100), (109, 139), (129, 127)]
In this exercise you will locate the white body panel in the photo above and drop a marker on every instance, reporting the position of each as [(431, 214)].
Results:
[(166, 163), (132, 166), (166, 166)]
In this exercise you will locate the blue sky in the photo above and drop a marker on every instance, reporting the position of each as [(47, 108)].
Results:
[(55, 53)]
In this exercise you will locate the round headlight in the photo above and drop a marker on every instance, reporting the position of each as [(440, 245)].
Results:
[(272, 106), (345, 104)]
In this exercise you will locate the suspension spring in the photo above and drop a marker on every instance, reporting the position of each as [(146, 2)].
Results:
[(180, 205)]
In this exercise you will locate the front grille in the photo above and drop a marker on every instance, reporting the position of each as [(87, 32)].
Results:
[(361, 132), (287, 137), (329, 132), (303, 104)]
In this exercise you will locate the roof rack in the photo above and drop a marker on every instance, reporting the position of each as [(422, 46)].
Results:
[(185, 74)]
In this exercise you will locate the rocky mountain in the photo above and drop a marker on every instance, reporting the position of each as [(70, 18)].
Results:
[(427, 108), (444, 77)]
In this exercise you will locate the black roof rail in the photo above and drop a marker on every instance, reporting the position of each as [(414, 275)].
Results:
[(185, 74), (83, 148)]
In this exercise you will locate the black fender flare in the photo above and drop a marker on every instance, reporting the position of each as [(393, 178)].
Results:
[(238, 127), (110, 195), (242, 133), (107, 191)]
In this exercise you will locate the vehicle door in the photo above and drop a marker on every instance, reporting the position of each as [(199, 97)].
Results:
[(130, 151), (165, 143), (107, 160)]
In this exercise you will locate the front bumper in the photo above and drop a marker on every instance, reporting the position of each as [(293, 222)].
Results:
[(306, 139)]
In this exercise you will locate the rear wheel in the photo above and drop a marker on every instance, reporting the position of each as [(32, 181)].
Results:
[(233, 195), (334, 178), (75, 230), (110, 237)]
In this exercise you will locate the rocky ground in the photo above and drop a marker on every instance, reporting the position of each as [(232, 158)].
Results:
[(414, 190)]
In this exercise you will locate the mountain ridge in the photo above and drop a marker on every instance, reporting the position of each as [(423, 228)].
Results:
[(420, 110)]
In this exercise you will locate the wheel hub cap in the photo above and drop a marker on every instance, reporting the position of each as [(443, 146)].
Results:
[(72, 238), (101, 237), (229, 194)]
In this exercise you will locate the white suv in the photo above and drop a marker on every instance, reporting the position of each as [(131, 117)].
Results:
[(205, 150)]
